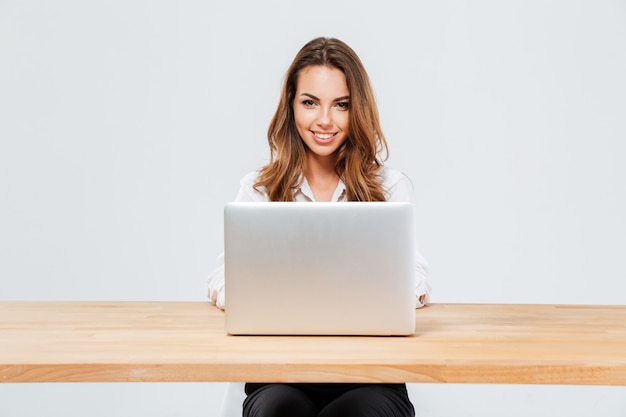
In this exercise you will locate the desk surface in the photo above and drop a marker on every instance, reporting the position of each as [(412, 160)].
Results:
[(186, 341)]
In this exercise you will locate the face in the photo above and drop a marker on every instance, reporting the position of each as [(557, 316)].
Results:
[(321, 109)]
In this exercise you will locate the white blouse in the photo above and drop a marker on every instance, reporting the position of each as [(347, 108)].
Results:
[(398, 188)]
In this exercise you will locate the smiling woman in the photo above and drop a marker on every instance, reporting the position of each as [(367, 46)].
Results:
[(326, 144), (321, 114), (326, 128), (318, 111)]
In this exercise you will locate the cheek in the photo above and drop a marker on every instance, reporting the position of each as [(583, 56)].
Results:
[(300, 118), (302, 125), (344, 122)]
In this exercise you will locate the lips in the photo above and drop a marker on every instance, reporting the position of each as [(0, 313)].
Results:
[(324, 137)]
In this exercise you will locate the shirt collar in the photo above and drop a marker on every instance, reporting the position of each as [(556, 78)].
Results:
[(306, 194)]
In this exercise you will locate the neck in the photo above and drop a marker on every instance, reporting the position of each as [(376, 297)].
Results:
[(320, 166), (321, 176)]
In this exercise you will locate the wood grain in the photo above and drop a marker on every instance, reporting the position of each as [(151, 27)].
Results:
[(87, 341)]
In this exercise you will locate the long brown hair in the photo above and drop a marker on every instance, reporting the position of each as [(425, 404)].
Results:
[(360, 157)]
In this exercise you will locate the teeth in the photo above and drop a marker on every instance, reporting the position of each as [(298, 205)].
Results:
[(324, 135)]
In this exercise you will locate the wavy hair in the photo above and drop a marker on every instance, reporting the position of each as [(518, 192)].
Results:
[(360, 157)]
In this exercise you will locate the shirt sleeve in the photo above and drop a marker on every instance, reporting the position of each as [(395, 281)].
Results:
[(400, 188), (215, 284), (215, 281), (422, 281)]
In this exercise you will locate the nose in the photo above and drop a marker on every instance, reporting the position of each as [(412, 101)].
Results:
[(324, 118)]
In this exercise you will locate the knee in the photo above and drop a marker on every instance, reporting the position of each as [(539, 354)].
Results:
[(278, 400), (374, 401)]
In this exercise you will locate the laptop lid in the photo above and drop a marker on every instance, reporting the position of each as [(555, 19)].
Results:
[(320, 268)]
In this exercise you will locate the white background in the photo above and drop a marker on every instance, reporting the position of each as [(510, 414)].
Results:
[(125, 126)]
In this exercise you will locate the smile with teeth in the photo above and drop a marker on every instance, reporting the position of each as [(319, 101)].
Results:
[(323, 136)]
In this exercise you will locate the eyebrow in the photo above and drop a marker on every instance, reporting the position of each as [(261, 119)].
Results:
[(316, 98)]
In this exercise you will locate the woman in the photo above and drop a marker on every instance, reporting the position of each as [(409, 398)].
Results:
[(326, 144)]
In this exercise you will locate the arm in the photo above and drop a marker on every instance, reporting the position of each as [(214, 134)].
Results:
[(215, 281), (422, 282), (400, 188), (215, 284)]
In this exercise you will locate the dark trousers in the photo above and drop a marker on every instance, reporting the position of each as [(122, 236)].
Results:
[(327, 400)]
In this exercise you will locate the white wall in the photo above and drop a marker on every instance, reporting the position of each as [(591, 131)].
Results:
[(126, 125)]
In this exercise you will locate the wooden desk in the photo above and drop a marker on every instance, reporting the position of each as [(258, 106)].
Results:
[(186, 341)]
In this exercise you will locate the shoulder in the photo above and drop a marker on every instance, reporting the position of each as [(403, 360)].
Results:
[(397, 184), (392, 176), (249, 179), (247, 192)]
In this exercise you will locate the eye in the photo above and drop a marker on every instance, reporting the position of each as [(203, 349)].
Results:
[(308, 103), (343, 105)]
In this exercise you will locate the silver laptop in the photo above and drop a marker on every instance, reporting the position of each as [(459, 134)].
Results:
[(320, 268)]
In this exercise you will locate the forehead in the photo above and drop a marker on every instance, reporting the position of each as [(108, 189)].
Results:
[(323, 80)]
